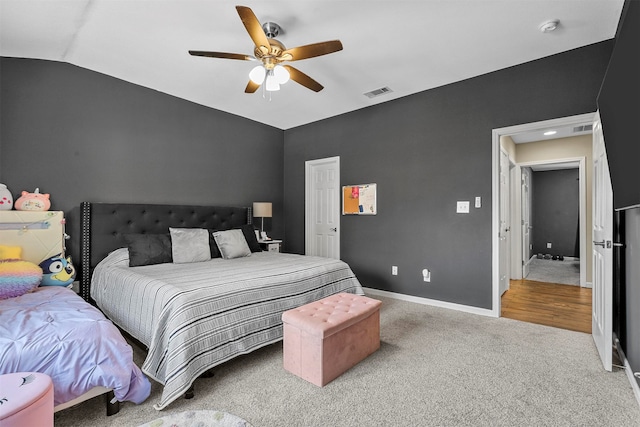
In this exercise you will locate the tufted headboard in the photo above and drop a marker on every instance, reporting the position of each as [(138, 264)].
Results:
[(105, 224)]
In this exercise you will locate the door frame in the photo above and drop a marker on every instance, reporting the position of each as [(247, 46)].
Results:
[(506, 193), (308, 200), (582, 202), (495, 190)]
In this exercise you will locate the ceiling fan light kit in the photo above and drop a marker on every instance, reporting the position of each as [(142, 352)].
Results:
[(272, 53)]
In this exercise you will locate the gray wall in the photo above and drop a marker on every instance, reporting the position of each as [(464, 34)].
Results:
[(83, 136), (425, 152), (556, 212), (619, 105)]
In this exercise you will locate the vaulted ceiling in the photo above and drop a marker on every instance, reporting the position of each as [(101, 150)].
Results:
[(406, 46)]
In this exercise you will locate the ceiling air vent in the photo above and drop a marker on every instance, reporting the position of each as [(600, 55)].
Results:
[(583, 128), (378, 92)]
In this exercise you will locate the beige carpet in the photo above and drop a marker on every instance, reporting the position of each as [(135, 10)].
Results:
[(435, 367), (198, 419)]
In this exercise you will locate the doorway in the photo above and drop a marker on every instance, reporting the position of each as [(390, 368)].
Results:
[(518, 234), (553, 218)]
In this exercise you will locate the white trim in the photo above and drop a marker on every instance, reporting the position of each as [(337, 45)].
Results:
[(515, 213), (430, 302), (627, 368), (495, 190)]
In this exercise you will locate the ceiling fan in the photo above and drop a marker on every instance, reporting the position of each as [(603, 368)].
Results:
[(272, 53)]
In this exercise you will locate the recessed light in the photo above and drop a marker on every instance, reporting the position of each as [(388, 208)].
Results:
[(550, 132), (548, 26)]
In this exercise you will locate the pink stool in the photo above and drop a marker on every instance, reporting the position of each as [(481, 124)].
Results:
[(325, 338), (26, 399)]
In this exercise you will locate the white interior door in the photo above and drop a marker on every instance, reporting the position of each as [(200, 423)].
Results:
[(322, 207), (504, 222), (602, 319), (526, 220)]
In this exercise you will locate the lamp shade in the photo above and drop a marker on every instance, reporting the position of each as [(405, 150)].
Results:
[(262, 209)]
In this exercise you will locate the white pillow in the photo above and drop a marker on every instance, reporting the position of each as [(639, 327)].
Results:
[(189, 245), (232, 244)]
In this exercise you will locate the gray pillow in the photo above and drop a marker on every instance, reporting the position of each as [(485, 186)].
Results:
[(148, 249), (232, 244), (189, 245)]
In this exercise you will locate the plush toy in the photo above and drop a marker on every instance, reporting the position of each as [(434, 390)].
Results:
[(33, 201), (57, 271), (6, 199), (18, 277)]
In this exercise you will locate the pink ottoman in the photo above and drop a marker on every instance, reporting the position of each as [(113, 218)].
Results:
[(26, 399), (325, 338)]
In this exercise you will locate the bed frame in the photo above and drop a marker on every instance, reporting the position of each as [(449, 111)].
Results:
[(104, 226)]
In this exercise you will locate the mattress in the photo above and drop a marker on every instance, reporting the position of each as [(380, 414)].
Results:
[(195, 316)]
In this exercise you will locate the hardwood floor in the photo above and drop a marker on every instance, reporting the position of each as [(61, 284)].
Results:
[(550, 304)]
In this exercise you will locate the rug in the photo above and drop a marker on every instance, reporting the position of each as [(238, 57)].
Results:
[(566, 272), (198, 419)]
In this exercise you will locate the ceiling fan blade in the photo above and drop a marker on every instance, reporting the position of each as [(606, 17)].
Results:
[(254, 28), (251, 87), (300, 77), (312, 50), (222, 55)]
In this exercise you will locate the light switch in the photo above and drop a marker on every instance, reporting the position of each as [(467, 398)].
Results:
[(463, 207), (478, 202)]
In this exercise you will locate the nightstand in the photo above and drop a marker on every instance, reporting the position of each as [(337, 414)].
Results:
[(271, 245)]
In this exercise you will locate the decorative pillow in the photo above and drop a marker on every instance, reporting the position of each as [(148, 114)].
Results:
[(57, 271), (18, 277), (148, 249), (190, 245), (250, 237), (10, 252), (232, 243)]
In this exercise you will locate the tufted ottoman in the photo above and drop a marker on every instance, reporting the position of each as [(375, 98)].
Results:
[(324, 338), (26, 399)]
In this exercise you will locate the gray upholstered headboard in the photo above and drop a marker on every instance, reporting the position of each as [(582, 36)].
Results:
[(105, 224)]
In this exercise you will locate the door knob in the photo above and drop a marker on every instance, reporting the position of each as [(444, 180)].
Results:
[(604, 243), (334, 229)]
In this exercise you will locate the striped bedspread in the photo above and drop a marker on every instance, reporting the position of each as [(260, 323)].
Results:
[(195, 316)]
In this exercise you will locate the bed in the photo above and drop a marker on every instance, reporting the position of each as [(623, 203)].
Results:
[(52, 330), (195, 316)]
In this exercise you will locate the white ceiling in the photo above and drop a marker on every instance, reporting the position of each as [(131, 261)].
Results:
[(408, 46)]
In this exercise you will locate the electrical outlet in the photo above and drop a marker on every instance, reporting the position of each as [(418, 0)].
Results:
[(394, 270), (548, 245), (426, 275), (462, 207)]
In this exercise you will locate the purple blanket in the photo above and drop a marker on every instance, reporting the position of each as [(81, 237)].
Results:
[(54, 331)]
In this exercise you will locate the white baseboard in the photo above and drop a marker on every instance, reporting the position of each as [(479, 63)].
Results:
[(431, 302), (629, 371), (588, 285)]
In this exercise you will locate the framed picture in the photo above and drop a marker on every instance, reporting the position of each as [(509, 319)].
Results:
[(359, 199)]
